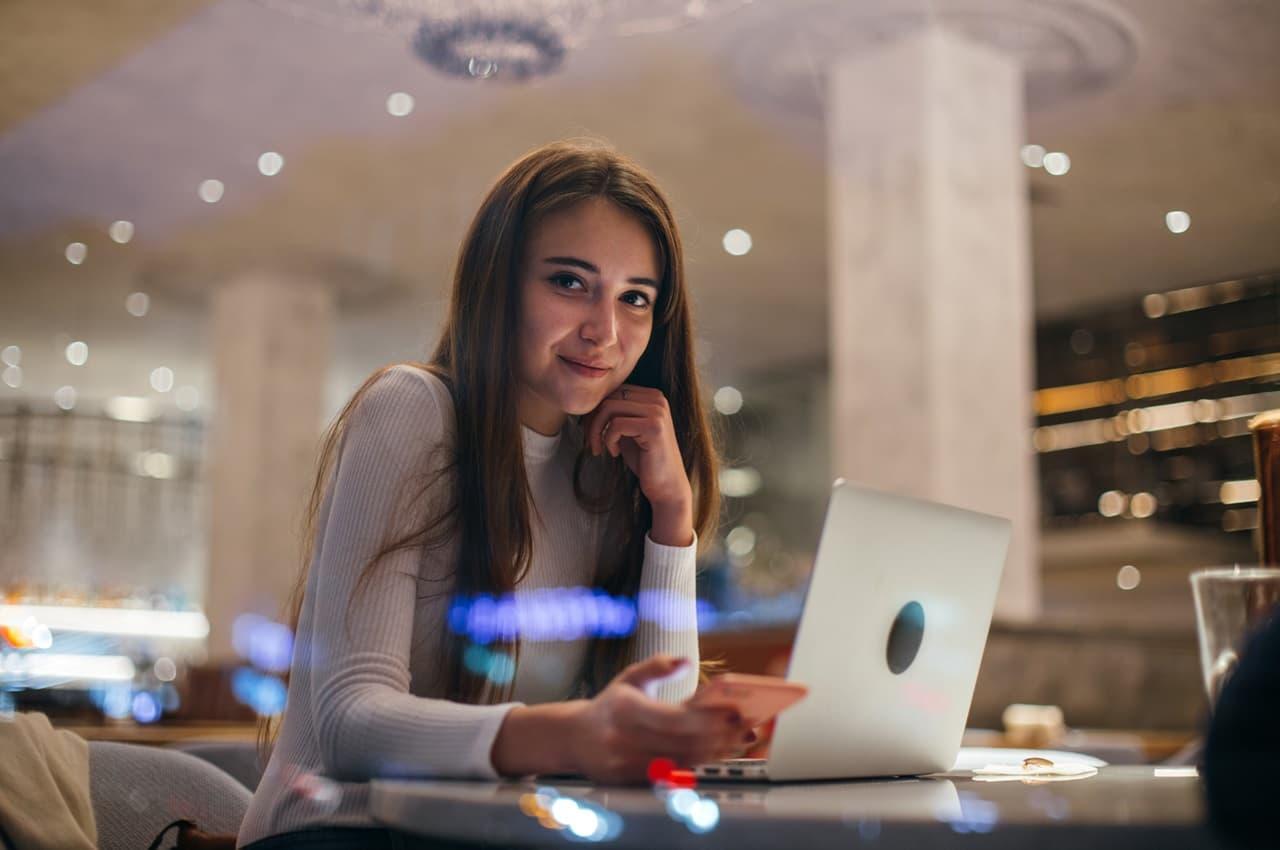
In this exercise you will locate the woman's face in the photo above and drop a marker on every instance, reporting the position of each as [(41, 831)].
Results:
[(588, 286)]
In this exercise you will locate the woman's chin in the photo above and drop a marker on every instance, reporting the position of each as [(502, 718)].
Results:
[(581, 407), (580, 403)]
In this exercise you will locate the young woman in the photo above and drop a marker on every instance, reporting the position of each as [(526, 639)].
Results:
[(554, 441)]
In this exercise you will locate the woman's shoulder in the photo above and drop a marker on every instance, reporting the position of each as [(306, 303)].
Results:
[(410, 393), (419, 378)]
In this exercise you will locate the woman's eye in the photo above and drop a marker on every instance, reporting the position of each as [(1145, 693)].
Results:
[(565, 281), (637, 299)]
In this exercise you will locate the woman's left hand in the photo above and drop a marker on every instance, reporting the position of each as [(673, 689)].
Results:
[(635, 422)]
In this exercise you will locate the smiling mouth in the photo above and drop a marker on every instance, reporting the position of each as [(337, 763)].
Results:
[(584, 369)]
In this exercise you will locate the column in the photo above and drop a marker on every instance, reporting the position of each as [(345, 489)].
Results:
[(931, 300), (271, 340)]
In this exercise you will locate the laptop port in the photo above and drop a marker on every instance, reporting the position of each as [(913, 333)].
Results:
[(735, 771), (711, 771)]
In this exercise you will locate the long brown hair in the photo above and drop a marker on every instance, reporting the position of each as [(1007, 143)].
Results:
[(488, 509)]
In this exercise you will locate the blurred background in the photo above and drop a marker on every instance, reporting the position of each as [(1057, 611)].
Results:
[(1020, 255)]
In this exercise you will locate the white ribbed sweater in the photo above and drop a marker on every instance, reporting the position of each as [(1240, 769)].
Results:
[(366, 682)]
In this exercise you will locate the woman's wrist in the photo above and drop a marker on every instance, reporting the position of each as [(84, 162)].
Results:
[(673, 524), (536, 739)]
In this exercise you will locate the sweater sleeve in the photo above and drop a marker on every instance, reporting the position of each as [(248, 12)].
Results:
[(368, 723), (668, 621)]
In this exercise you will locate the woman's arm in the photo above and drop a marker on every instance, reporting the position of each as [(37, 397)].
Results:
[(366, 721), (634, 423), (668, 621), (617, 735)]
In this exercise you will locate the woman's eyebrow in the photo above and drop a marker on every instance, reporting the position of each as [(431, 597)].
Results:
[(590, 267)]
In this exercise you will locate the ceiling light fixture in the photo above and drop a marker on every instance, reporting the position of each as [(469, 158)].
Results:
[(504, 39)]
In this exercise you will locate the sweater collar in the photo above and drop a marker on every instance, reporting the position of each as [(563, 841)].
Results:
[(539, 448)]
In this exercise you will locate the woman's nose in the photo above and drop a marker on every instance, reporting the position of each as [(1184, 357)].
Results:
[(600, 326)]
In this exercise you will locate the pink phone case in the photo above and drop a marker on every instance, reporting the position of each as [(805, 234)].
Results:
[(756, 698)]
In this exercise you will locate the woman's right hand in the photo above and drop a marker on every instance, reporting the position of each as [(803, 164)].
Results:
[(622, 730)]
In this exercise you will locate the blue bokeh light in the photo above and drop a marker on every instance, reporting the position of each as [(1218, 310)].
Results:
[(264, 694), (117, 701), (544, 614), (146, 708)]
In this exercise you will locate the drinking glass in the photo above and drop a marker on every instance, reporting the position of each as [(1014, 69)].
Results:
[(1231, 604)]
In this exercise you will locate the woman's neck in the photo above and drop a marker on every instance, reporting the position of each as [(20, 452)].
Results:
[(537, 415)]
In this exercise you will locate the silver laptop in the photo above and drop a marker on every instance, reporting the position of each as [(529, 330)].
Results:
[(894, 624)]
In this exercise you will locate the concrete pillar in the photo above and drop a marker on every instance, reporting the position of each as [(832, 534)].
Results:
[(271, 340), (931, 301)]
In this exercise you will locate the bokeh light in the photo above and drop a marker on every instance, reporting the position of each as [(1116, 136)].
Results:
[(76, 253), (165, 669), (1057, 163), (162, 379), (1177, 221), (265, 643), (740, 482), (1143, 505), (577, 820), (137, 303), (681, 802), (545, 614), (727, 400), (117, 702), (737, 242), (270, 163), (77, 353), (266, 695), (1112, 503), (1128, 577), (65, 397), (121, 231), (400, 104), (146, 708), (704, 815), (1033, 155), (211, 191), (320, 790), (740, 541), (1155, 305)]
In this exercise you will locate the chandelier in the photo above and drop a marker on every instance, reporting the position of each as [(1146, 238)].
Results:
[(504, 39)]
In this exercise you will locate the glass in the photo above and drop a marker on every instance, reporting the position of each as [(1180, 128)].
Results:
[(1232, 603), (1266, 456)]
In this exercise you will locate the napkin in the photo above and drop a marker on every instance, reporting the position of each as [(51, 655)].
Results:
[(1035, 768)]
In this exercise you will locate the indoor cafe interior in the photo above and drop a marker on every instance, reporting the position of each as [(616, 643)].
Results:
[(1016, 258)]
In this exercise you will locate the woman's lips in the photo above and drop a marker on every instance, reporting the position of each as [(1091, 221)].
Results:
[(583, 369)]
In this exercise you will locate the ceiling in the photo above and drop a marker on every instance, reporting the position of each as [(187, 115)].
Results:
[(119, 111)]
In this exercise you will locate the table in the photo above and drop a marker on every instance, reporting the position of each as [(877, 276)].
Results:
[(1120, 807), (162, 734)]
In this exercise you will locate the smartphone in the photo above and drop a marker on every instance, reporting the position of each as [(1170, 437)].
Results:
[(756, 698)]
